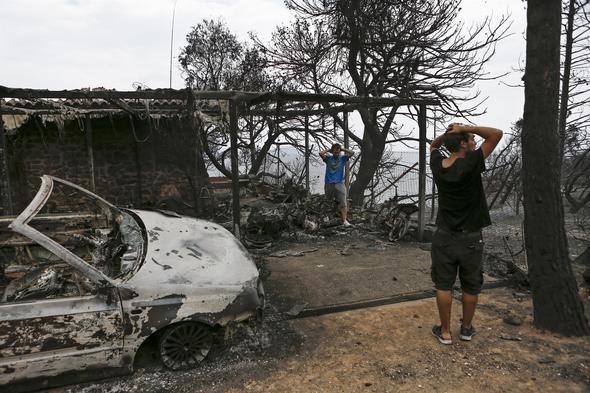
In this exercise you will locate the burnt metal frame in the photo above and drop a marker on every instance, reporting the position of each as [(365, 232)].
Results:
[(21, 225), (235, 99)]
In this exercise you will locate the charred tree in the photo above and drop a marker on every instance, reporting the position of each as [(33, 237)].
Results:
[(214, 59), (376, 48), (557, 306)]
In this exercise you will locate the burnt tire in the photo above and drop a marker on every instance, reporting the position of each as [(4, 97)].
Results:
[(184, 345), (399, 228)]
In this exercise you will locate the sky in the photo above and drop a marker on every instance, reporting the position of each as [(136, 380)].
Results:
[(71, 44)]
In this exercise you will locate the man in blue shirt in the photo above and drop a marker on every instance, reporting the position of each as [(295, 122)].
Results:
[(334, 181)]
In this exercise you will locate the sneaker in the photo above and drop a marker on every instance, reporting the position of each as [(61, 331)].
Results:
[(467, 333), (437, 332), (346, 223)]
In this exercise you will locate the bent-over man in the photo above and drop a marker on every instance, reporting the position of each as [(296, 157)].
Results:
[(457, 244), (334, 187)]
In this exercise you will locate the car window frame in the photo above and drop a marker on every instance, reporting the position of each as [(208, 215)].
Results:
[(20, 225)]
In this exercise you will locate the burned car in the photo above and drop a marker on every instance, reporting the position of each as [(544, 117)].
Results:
[(81, 291)]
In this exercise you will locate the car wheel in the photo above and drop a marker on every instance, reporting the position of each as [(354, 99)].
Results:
[(184, 345)]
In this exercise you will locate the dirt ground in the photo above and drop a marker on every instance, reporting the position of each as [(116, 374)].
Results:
[(390, 349), (380, 349), (385, 349), (345, 270)]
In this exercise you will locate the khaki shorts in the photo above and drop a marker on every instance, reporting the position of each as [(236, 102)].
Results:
[(336, 191)]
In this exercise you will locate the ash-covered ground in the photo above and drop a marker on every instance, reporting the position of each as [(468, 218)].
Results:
[(255, 350)]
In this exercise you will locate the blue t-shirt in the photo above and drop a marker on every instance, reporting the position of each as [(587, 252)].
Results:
[(335, 168)]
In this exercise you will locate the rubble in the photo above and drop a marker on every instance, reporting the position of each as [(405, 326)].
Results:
[(272, 212), (37, 283), (510, 338), (288, 253), (513, 320), (345, 251), (296, 309)]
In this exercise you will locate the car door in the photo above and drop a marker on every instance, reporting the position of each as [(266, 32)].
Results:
[(60, 319), (44, 338)]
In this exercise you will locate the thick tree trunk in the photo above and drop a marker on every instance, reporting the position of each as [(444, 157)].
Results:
[(557, 306), (372, 147), (259, 160)]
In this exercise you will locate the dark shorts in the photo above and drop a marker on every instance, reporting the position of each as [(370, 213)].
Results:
[(454, 252), (336, 191)]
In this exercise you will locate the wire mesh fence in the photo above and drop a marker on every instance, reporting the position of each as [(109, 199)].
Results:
[(504, 238)]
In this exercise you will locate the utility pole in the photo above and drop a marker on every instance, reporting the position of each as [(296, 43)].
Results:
[(172, 39)]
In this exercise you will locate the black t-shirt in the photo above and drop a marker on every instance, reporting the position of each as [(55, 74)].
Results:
[(462, 204)]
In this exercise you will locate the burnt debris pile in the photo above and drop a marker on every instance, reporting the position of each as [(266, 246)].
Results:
[(288, 211)]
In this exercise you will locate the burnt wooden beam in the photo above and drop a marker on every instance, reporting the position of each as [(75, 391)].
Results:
[(323, 98), (346, 146), (5, 190), (433, 190), (90, 150), (7, 92), (123, 105), (307, 153), (248, 97), (421, 170), (289, 113), (94, 111), (138, 173), (233, 129)]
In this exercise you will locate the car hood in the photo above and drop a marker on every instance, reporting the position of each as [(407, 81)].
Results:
[(186, 256)]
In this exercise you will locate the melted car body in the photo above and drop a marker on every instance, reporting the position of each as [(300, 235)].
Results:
[(81, 292)]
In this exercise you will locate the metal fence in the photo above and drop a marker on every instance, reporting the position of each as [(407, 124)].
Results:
[(504, 239)]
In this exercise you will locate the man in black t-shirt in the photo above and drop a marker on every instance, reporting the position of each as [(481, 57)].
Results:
[(457, 245)]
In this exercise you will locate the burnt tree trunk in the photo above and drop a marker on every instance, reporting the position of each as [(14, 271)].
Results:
[(274, 133), (557, 306), (372, 147)]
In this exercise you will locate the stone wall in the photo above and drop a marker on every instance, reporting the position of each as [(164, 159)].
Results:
[(132, 164)]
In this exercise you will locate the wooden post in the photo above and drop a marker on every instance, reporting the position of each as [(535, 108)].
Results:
[(421, 170), (233, 132), (346, 145), (90, 152), (139, 186), (433, 201), (278, 161), (252, 144), (372, 191), (5, 191), (189, 129), (307, 153)]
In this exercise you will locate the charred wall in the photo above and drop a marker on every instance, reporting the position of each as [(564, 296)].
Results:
[(136, 162)]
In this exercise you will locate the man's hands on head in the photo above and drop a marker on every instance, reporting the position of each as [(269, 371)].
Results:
[(490, 135), (456, 128)]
